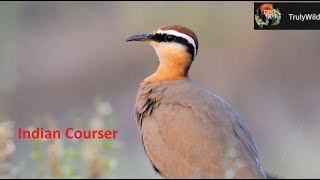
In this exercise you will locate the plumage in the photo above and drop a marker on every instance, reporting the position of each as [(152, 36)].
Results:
[(197, 136), (187, 131)]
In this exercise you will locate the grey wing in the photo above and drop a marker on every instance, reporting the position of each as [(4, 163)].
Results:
[(242, 132)]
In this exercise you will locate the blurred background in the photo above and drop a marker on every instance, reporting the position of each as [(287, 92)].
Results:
[(57, 57)]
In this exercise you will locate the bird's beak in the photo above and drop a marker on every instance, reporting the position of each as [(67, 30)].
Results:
[(139, 37)]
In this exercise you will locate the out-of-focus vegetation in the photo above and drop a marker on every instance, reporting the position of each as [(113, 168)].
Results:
[(77, 158), (65, 158), (8, 169)]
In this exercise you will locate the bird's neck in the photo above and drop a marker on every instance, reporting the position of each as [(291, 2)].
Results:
[(172, 69)]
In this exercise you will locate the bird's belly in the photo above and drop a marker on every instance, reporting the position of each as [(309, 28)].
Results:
[(182, 146)]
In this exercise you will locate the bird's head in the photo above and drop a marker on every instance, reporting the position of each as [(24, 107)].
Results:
[(171, 43), (176, 47)]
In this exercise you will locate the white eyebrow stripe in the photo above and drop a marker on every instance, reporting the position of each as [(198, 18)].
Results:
[(178, 34)]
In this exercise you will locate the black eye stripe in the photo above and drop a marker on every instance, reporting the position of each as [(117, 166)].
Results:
[(180, 40), (170, 38), (158, 37)]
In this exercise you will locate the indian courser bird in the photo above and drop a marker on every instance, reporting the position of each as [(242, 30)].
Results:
[(187, 131)]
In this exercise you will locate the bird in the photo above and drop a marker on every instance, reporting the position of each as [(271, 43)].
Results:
[(186, 130)]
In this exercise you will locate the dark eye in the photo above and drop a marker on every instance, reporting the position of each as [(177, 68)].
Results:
[(169, 38)]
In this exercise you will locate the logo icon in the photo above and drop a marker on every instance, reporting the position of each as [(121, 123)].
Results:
[(268, 16)]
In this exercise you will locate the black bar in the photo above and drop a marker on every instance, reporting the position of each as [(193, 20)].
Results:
[(292, 14)]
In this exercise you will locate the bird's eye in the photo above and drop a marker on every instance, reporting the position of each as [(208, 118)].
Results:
[(169, 38)]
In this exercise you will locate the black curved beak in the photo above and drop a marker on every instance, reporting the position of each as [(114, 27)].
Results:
[(139, 37)]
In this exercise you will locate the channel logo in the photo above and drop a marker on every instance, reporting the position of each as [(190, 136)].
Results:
[(267, 16)]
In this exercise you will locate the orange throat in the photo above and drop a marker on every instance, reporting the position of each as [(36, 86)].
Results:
[(167, 72), (174, 64)]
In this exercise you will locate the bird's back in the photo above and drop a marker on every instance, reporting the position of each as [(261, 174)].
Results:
[(188, 132)]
